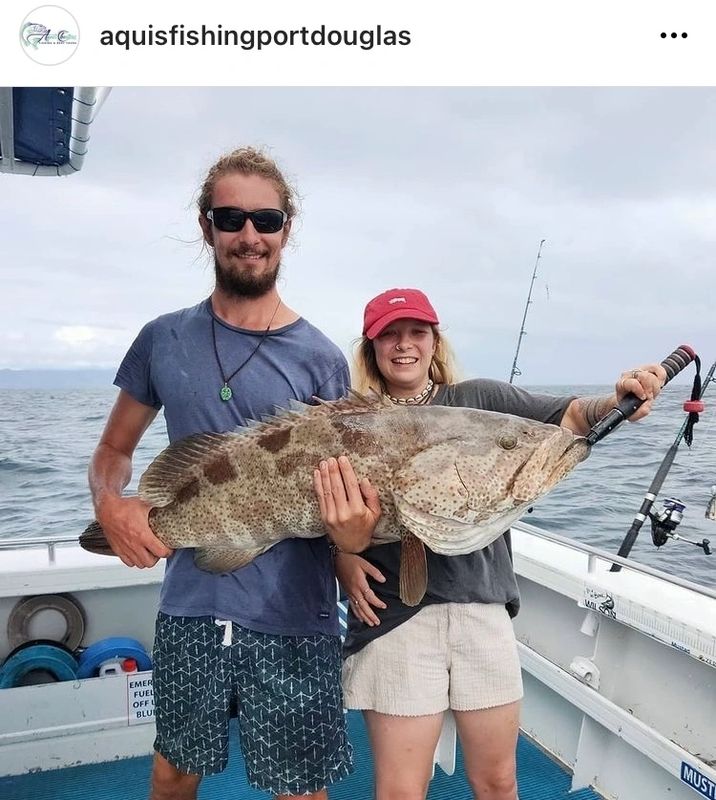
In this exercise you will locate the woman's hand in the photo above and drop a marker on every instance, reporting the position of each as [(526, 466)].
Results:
[(645, 382), (350, 509), (352, 572)]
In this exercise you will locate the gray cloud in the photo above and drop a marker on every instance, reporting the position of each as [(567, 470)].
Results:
[(449, 190)]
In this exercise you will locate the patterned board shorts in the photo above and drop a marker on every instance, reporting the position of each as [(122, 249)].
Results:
[(288, 695)]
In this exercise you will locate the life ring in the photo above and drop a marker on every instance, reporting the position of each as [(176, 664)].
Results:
[(18, 622), (113, 647), (41, 654)]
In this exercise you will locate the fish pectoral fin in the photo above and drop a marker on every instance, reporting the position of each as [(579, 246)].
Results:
[(413, 569), (176, 470), (224, 559), (428, 527), (448, 536)]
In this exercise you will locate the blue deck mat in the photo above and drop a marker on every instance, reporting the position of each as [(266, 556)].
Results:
[(539, 778)]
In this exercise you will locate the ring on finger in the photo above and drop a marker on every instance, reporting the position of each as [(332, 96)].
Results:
[(635, 373)]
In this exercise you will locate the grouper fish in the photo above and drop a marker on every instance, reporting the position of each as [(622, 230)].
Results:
[(450, 479)]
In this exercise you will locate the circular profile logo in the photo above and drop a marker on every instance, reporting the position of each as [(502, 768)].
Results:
[(49, 35)]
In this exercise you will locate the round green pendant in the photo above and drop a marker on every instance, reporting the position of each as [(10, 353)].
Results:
[(225, 393)]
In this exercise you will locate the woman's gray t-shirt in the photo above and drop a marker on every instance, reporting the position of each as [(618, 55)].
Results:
[(485, 576)]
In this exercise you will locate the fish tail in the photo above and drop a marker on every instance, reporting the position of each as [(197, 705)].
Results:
[(94, 540)]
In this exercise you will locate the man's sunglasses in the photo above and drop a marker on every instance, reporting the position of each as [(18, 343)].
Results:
[(232, 220)]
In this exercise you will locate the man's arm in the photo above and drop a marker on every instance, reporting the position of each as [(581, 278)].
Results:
[(584, 412), (123, 519)]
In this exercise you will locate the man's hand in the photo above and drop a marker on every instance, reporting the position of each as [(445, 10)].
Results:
[(125, 522), (350, 509)]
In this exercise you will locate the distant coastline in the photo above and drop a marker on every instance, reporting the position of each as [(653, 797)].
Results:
[(99, 378), (56, 378)]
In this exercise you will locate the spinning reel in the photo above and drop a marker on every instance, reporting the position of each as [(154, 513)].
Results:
[(665, 522)]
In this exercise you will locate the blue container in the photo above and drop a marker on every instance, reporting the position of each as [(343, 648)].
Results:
[(54, 659), (113, 647)]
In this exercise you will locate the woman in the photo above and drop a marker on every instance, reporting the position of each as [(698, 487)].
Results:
[(405, 665)]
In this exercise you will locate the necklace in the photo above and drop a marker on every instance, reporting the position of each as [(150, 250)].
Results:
[(418, 400), (226, 393)]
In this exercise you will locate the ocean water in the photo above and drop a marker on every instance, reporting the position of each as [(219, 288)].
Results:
[(47, 438)]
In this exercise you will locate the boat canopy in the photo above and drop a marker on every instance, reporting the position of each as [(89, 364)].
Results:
[(46, 130)]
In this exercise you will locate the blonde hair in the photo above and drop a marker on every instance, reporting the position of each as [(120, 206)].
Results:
[(366, 374), (248, 161)]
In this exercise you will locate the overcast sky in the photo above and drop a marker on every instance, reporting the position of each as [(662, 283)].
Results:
[(446, 190)]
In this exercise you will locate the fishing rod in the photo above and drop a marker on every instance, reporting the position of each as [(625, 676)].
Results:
[(515, 371), (673, 364), (664, 523)]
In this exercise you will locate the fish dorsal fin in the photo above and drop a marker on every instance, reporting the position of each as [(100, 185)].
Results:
[(413, 570), (355, 402), (177, 466), (297, 406), (296, 411)]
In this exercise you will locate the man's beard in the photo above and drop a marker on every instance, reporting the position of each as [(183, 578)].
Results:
[(235, 284)]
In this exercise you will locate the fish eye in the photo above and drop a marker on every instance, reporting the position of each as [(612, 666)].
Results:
[(507, 442)]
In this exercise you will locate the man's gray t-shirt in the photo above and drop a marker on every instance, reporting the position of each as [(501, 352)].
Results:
[(290, 589), (485, 576)]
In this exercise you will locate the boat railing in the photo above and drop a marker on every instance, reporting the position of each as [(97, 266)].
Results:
[(594, 554), (48, 542)]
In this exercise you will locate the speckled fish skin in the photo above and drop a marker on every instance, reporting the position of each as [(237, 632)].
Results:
[(711, 507), (454, 477)]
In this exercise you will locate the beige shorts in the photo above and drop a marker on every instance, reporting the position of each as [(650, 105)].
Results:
[(450, 655)]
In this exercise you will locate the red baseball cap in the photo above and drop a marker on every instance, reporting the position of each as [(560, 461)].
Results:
[(396, 304)]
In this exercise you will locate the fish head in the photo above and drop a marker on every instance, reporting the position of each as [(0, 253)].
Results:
[(459, 495), (517, 462)]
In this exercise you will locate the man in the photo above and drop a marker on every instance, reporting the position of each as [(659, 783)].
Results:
[(267, 633)]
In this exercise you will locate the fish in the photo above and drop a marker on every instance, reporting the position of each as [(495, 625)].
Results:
[(710, 512), (449, 479)]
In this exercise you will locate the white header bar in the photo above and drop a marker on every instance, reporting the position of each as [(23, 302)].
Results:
[(372, 42)]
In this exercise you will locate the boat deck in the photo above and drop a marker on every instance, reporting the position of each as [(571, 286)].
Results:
[(539, 778)]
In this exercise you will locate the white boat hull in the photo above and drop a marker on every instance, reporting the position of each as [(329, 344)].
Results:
[(623, 694)]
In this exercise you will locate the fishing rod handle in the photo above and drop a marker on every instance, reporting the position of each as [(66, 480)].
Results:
[(673, 364)]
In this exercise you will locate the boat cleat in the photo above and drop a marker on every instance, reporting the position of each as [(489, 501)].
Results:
[(585, 670)]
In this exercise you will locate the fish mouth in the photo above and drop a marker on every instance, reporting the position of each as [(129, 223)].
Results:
[(548, 464), (575, 452)]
